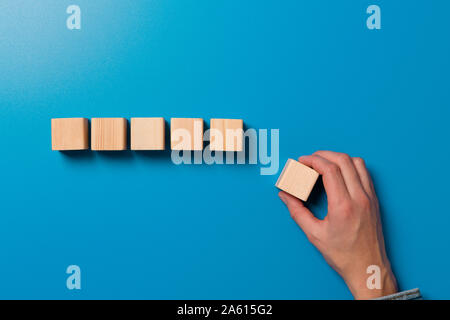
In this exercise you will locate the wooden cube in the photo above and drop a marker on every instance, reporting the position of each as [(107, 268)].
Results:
[(186, 134), (108, 134), (147, 134), (70, 134), (227, 135), (297, 179)]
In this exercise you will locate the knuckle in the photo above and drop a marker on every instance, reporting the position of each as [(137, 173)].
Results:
[(364, 201), (332, 169), (346, 207), (359, 161), (315, 160), (344, 158), (315, 235), (292, 213), (312, 237)]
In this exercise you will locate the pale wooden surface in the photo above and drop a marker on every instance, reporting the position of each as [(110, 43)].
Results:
[(70, 134), (186, 133), (226, 135), (147, 134), (297, 179), (108, 134)]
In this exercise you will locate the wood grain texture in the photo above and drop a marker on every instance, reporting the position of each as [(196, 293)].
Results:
[(227, 135), (186, 133), (70, 134), (108, 134), (297, 179), (147, 134)]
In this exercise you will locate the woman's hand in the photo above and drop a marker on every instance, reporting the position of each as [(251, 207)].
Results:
[(350, 237)]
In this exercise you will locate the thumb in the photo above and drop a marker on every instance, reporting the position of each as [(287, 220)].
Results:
[(301, 215)]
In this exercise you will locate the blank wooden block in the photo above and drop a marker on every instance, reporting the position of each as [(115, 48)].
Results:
[(186, 134), (147, 134), (297, 179), (108, 134), (70, 134), (227, 135)]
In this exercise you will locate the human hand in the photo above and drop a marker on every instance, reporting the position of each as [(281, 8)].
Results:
[(350, 237)]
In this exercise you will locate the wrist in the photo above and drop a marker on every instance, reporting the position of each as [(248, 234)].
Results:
[(365, 286)]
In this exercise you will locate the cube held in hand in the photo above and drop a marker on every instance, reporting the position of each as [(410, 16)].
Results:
[(297, 179)]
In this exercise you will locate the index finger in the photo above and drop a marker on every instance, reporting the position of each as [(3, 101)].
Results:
[(332, 177), (349, 173)]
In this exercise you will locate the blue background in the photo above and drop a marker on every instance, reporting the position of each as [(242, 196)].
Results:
[(140, 226)]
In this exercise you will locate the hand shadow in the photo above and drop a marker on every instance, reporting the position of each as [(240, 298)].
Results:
[(317, 201)]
